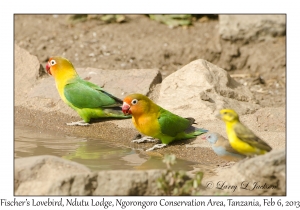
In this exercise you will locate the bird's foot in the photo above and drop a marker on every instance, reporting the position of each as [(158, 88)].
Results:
[(144, 139), (156, 146), (81, 123)]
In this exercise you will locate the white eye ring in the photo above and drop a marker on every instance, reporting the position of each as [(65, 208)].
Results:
[(52, 62), (134, 101)]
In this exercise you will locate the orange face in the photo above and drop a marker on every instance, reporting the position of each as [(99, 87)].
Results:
[(56, 64), (51, 63), (134, 104)]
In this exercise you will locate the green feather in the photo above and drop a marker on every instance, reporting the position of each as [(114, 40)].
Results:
[(83, 94), (171, 124), (174, 127), (91, 101)]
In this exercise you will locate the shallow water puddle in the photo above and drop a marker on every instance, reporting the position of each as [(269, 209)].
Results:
[(94, 153)]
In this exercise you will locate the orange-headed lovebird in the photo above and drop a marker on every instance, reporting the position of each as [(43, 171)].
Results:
[(89, 100), (152, 120), (241, 138)]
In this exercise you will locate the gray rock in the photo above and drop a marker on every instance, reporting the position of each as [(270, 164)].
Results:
[(240, 37), (50, 175), (251, 27), (142, 182), (27, 72), (261, 175), (114, 182), (200, 89), (35, 175)]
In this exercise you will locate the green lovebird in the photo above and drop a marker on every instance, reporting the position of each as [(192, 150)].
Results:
[(152, 120), (87, 99)]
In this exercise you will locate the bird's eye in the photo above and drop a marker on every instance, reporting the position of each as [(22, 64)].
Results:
[(52, 62), (225, 112), (134, 101)]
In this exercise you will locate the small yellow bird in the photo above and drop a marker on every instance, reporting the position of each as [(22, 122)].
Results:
[(241, 138)]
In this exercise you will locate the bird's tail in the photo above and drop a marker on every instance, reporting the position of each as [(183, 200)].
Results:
[(115, 112), (199, 131), (195, 131)]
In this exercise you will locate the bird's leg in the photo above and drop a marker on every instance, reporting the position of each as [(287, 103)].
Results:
[(144, 139), (81, 123), (156, 146)]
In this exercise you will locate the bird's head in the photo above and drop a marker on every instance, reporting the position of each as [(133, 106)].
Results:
[(135, 104), (228, 115), (59, 66), (211, 137)]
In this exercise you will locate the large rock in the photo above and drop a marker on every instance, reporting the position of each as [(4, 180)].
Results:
[(50, 175), (251, 27), (200, 89), (27, 71), (35, 175), (253, 43), (261, 175), (113, 182)]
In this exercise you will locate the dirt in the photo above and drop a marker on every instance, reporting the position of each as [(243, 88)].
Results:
[(141, 43)]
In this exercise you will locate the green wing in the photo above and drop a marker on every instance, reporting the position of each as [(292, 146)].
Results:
[(249, 137), (83, 94), (171, 124)]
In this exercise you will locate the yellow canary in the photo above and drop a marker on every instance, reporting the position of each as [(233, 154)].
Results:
[(241, 138)]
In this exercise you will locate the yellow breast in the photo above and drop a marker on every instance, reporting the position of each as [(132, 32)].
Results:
[(238, 144), (147, 125)]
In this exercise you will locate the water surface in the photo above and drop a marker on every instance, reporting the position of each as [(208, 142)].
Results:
[(96, 154)]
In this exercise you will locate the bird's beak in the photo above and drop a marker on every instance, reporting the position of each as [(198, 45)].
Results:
[(48, 68), (219, 116), (126, 108), (203, 137)]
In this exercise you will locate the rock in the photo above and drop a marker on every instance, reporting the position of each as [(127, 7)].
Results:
[(27, 72), (50, 175), (35, 175), (242, 35), (271, 56), (251, 27), (200, 89), (111, 183), (261, 175)]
